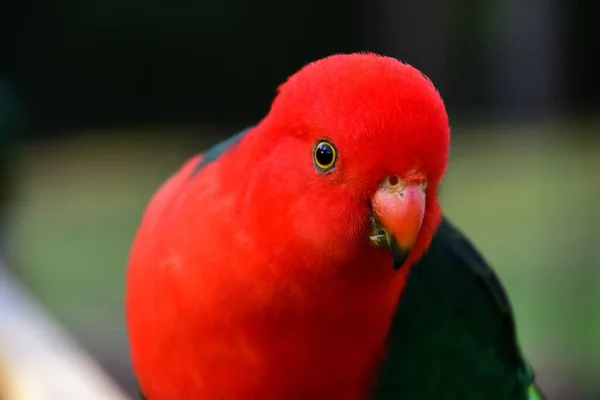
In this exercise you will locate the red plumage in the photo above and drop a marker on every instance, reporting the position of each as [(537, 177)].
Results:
[(254, 278)]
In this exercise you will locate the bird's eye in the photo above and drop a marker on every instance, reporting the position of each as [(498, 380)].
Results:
[(324, 156)]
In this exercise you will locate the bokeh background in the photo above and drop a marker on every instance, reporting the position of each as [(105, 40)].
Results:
[(100, 101)]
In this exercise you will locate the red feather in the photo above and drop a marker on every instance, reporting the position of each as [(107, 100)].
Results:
[(254, 278)]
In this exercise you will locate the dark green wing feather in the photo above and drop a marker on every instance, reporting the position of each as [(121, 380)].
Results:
[(214, 152), (453, 336)]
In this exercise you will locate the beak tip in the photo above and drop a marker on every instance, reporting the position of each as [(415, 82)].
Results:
[(399, 255)]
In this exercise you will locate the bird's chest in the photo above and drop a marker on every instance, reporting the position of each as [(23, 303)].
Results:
[(286, 341), (308, 352), (335, 358)]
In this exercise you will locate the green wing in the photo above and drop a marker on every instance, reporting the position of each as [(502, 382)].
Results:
[(219, 148), (453, 336)]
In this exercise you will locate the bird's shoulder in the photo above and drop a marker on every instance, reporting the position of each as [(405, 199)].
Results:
[(218, 149)]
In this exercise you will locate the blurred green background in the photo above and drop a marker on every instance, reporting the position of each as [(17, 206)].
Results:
[(99, 103)]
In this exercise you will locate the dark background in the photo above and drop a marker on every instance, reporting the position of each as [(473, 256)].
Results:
[(102, 100), (76, 64)]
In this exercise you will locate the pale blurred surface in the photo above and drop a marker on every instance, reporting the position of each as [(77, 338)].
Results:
[(38, 359)]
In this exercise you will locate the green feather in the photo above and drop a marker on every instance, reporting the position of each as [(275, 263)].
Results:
[(534, 393), (453, 336), (214, 152)]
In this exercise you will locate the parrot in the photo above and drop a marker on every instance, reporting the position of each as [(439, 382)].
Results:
[(308, 257)]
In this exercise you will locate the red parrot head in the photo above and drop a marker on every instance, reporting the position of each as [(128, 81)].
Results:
[(364, 140)]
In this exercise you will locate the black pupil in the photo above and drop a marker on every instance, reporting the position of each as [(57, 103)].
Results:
[(324, 154)]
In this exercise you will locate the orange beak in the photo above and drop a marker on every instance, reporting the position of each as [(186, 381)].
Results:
[(398, 209)]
